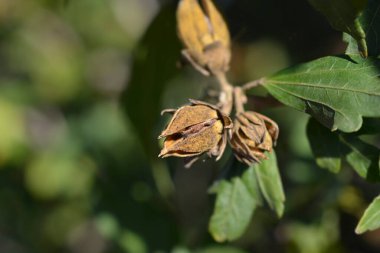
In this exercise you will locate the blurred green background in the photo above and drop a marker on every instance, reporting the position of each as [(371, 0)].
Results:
[(82, 83)]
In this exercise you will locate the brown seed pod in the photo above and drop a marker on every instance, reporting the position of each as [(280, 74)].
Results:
[(252, 135), (196, 129), (205, 36)]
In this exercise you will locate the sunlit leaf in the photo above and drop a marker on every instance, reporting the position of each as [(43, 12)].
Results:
[(371, 218), (336, 90)]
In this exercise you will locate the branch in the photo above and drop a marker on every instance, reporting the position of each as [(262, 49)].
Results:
[(253, 84), (226, 94), (240, 99)]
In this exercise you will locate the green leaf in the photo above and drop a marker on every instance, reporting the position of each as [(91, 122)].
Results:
[(250, 180), (154, 64), (270, 184), (336, 90), (330, 148), (235, 203), (371, 218), (343, 16), (370, 20), (325, 145), (363, 157)]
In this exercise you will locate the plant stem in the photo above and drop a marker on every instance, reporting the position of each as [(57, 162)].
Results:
[(253, 84), (230, 94), (226, 94), (240, 99)]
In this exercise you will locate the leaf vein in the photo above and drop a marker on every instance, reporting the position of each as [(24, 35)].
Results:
[(308, 99), (326, 87)]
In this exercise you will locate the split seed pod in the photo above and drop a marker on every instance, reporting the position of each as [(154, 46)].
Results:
[(196, 129), (205, 36), (252, 135)]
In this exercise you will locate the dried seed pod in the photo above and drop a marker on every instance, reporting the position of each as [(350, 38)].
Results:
[(196, 129), (252, 135), (205, 36)]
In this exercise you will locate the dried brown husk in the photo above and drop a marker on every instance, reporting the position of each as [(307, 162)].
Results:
[(204, 34), (196, 129), (253, 134)]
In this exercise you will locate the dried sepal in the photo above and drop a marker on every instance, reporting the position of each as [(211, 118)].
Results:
[(196, 140), (196, 129), (188, 116), (227, 122), (205, 36), (193, 28), (272, 128), (252, 135), (219, 26)]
